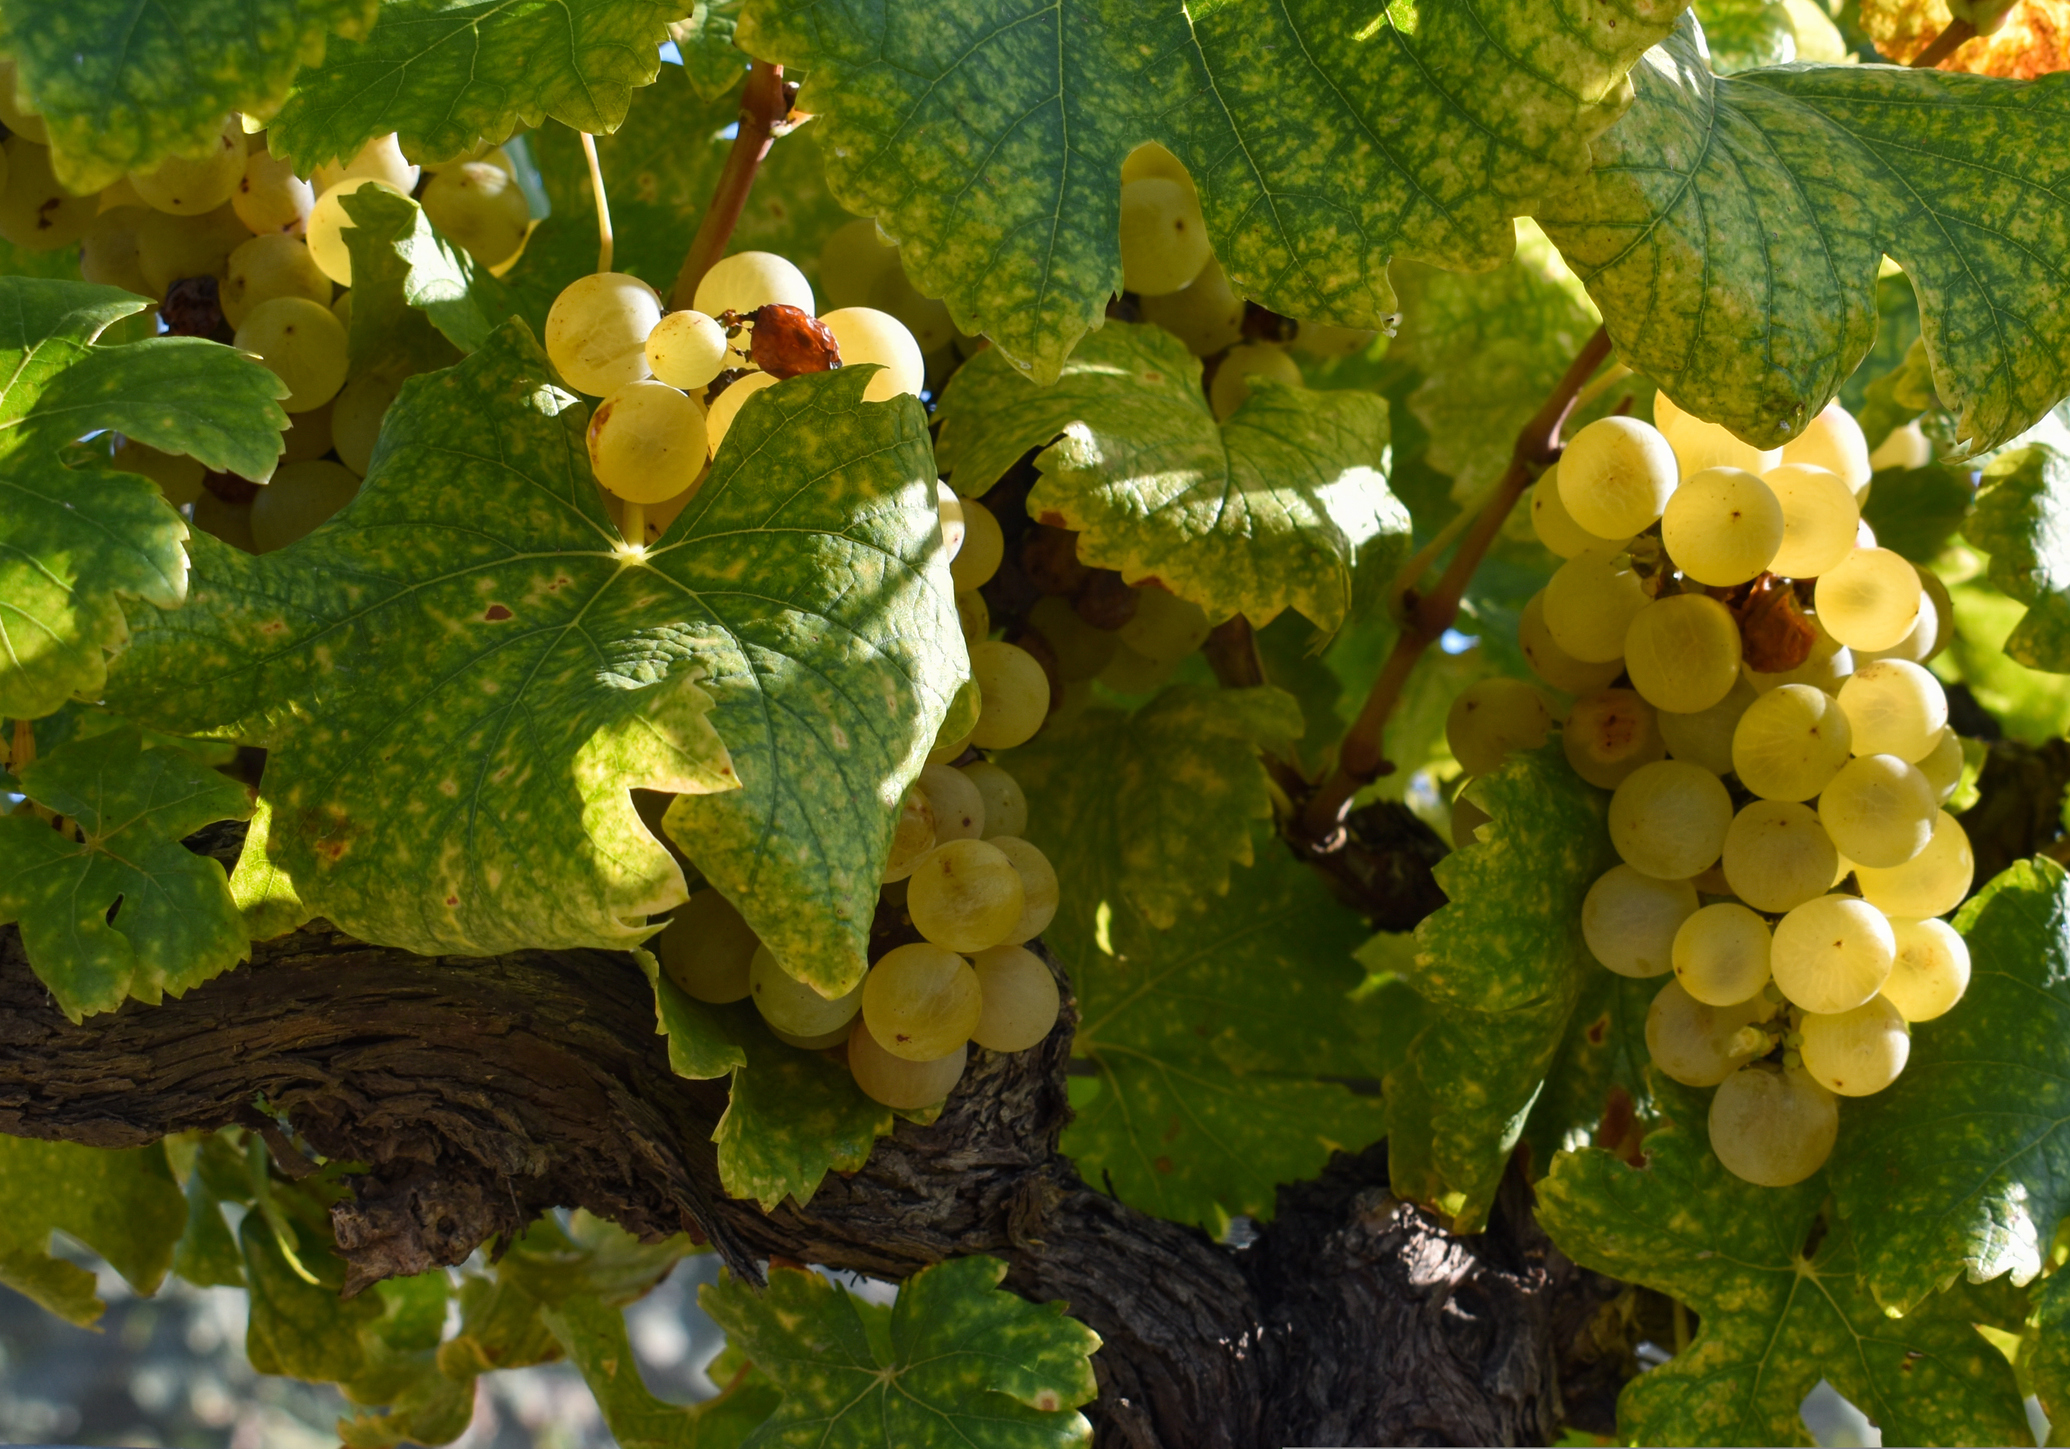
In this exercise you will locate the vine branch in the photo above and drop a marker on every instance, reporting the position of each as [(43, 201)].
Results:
[(765, 105), (1957, 34)]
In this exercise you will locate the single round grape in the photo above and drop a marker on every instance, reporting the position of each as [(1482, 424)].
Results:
[(795, 1006), (1705, 737), (230, 522), (921, 1002), (1668, 819), (896, 1082), (1616, 476), (1082, 651), (966, 895), (1856, 1053), (748, 280), (948, 511), (1931, 970), (687, 349), (356, 417), (480, 208), (178, 476), (1906, 446), (816, 1043), (1591, 602), (300, 497), (1553, 664), (37, 214), (1492, 718), (1152, 159), (341, 308), (1819, 519), (1870, 599), (189, 186), (912, 835), (706, 948), (1699, 445), (1683, 652), (328, 223), (727, 405), (1006, 808), (1896, 708), (1016, 695), (596, 332), (1039, 891), (1164, 628), (1700, 1045), (1629, 920), (958, 807), (1665, 410), (1207, 316), (866, 335), (1943, 765), (275, 265), (1607, 736), (170, 248), (1721, 954), (20, 120), (1879, 810), (270, 199), (1777, 855), (1021, 999), (380, 159), (1722, 526), (303, 345), (1826, 667), (1931, 883), (1833, 440), (984, 547), (974, 617), (1164, 240), (1790, 743), (1554, 525), (853, 261), (108, 254), (1329, 342), (1831, 954), (1241, 364), (646, 442), (1467, 818), (1773, 1128), (1930, 632)]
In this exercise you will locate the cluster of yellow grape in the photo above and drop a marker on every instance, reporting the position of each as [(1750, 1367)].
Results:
[(1747, 666)]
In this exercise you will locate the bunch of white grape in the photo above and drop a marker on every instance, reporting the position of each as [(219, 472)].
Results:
[(1747, 667)]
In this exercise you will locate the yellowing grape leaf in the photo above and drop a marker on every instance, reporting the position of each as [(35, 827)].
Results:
[(2020, 521), (961, 1362), (592, 1334), (1746, 34), (75, 541), (122, 1203), (1733, 227), (122, 86), (792, 1117), (2033, 40), (1775, 1315), (1278, 507), (987, 139)]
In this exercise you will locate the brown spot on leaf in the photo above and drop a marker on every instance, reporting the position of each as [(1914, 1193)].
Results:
[(1163, 1164), (452, 900), (1599, 1029), (496, 613), (1052, 518)]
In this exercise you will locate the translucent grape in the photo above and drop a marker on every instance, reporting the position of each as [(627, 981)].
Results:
[(108, 254), (1773, 1128), (23, 122), (178, 477), (1629, 920), (1082, 651), (1016, 695), (1493, 717), (36, 213), (688, 349), (974, 617), (1907, 446), (984, 547), (303, 345), (270, 199), (1699, 445), (266, 267), (1870, 599), (1039, 891), (912, 834), (1328, 342), (1931, 883), (707, 948), (1006, 808), (646, 442), (1722, 526), (1705, 737), (1943, 765), (1553, 664), (1930, 632), (853, 261), (1931, 970), (189, 186), (1683, 652), (896, 1082), (921, 1002), (1668, 819), (479, 207), (1859, 1052), (1721, 954), (1790, 743), (1879, 810), (356, 417), (1467, 818), (1554, 525), (1207, 316), (1165, 628), (1832, 954), (1021, 999), (1665, 411), (328, 223), (748, 280), (794, 1006), (966, 895), (948, 511), (958, 806), (300, 497), (1608, 735), (596, 332), (1833, 440), (868, 335), (170, 248), (1701, 1045), (1615, 477), (727, 405), (1819, 519), (1242, 363), (1895, 708), (1164, 240), (1590, 604), (1777, 855), (380, 159)]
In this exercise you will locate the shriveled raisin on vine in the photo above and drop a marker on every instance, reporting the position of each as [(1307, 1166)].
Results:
[(1775, 635), (785, 341)]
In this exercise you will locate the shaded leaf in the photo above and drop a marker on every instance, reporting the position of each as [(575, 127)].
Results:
[(123, 1204), (1746, 34), (593, 1337), (2022, 521), (1918, 511), (793, 1117), (712, 63)]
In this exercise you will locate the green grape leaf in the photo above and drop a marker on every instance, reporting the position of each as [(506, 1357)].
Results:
[(960, 1362), (713, 65), (496, 672), (1917, 511), (1171, 791), (446, 76), (122, 1203), (792, 1118), (1603, 1052), (75, 541), (2020, 521), (1733, 227), (1773, 1321), (701, 1041), (1270, 510), (2049, 1362), (1897, 332), (1959, 1166), (1746, 34), (2030, 706), (593, 1336), (589, 1258), (418, 303), (116, 907), (1419, 133), (299, 1326), (122, 86)]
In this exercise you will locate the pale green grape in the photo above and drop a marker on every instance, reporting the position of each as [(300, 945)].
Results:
[(948, 511), (37, 214), (1467, 818), (1629, 920), (380, 159), (1879, 810), (1906, 447), (647, 442), (178, 476), (1021, 999), (1165, 628), (1606, 736), (1856, 1053), (23, 122), (1790, 743), (1895, 708), (1870, 599), (303, 345), (270, 199), (707, 948), (1705, 737), (966, 895), (275, 265), (1722, 526), (1016, 695), (896, 1082), (1721, 954), (958, 806), (921, 1002), (747, 280), (1773, 1127), (818, 1042), (170, 248), (1943, 765), (1931, 883), (1777, 855), (1668, 819), (1683, 652), (1665, 411), (1616, 476), (596, 332), (1082, 651), (912, 835), (1242, 363), (1554, 525), (1493, 717), (1833, 440), (688, 349), (1039, 891), (1930, 632), (1831, 954), (1207, 316), (480, 207), (300, 497), (1006, 808), (727, 405), (983, 548), (974, 617), (1700, 1045), (795, 1006), (1819, 519), (1164, 240), (1555, 665), (190, 186), (866, 335), (1699, 445), (328, 223), (1931, 970), (853, 262), (1151, 159), (1328, 342), (1591, 602), (356, 418), (109, 252)]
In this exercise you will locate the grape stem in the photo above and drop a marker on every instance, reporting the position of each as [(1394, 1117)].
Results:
[(1957, 34), (765, 107), (1360, 760), (596, 188), (633, 524)]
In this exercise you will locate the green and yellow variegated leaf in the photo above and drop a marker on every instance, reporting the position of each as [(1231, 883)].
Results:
[(1603, 1052), (418, 302), (792, 1118), (2022, 521), (1773, 1321), (1746, 34), (1274, 509), (987, 138), (592, 1334), (1918, 511), (712, 63), (123, 1204), (1732, 230)]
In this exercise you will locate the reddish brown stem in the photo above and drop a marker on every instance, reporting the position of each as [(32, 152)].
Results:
[(764, 102), (1359, 756), (1950, 40)]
